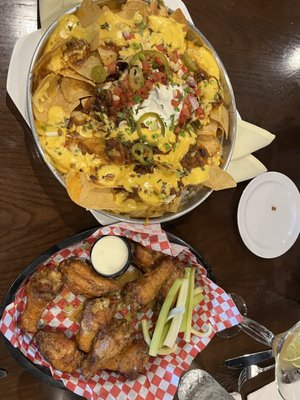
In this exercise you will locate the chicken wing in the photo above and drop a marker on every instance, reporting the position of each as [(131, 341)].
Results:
[(145, 289), (61, 352), (41, 289), (144, 258), (81, 279), (96, 315), (106, 345), (178, 272), (131, 361)]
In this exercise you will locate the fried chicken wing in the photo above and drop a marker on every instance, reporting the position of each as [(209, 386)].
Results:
[(145, 289), (178, 272), (131, 361), (81, 279), (96, 315), (61, 352), (41, 289), (144, 258), (106, 345)]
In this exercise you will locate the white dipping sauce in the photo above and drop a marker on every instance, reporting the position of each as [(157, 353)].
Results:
[(109, 255)]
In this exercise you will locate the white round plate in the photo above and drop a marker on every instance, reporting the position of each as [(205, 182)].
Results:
[(269, 215)]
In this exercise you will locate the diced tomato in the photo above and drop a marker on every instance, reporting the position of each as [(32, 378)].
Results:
[(185, 114), (176, 94), (174, 56), (184, 69), (125, 83), (186, 101), (160, 47), (175, 103), (157, 76), (143, 92), (177, 129), (199, 112), (117, 90), (197, 92), (112, 67), (149, 84), (145, 66), (159, 61)]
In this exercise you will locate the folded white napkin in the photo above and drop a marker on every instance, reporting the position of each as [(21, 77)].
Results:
[(268, 392), (249, 138)]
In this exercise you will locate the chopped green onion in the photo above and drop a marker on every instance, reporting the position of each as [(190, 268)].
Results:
[(163, 316)]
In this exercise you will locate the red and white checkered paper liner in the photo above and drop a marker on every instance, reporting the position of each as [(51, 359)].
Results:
[(162, 374)]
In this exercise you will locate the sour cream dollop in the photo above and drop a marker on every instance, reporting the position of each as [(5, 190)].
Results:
[(111, 255), (159, 102)]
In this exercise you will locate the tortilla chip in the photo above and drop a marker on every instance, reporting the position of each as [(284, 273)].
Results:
[(85, 69), (88, 194), (221, 115), (180, 18), (107, 54), (49, 94), (219, 179), (73, 90), (158, 9), (210, 143), (88, 12), (129, 9), (69, 73), (209, 129)]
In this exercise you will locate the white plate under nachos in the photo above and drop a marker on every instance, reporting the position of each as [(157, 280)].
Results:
[(269, 215)]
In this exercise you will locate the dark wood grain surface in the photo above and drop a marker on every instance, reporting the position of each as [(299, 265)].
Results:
[(258, 42)]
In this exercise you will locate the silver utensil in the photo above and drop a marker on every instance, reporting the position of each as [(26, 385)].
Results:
[(3, 373), (248, 359), (250, 372)]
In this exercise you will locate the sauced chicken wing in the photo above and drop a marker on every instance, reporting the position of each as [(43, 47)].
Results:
[(96, 315), (131, 361), (106, 345), (81, 279), (61, 352), (145, 289), (41, 289), (144, 258)]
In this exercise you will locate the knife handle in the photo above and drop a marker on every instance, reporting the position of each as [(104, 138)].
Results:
[(257, 331)]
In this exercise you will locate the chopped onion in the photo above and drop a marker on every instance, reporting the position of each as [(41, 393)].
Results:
[(194, 102), (51, 133)]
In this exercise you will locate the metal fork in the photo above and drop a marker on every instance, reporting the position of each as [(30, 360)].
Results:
[(250, 372)]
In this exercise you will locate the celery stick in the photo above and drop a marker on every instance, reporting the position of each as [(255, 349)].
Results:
[(164, 333), (163, 351), (203, 334), (189, 311), (183, 321), (163, 316), (197, 299), (198, 290), (146, 332), (176, 321)]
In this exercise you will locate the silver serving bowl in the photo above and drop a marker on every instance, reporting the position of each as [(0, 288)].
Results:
[(194, 198)]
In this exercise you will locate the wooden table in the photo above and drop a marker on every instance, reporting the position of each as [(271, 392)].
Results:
[(258, 42)]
